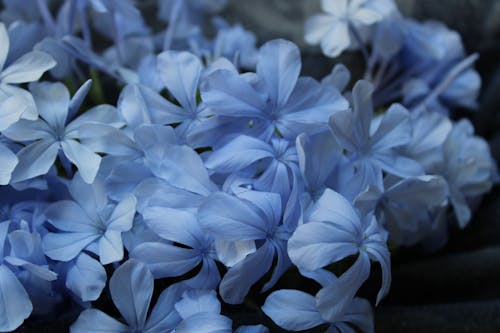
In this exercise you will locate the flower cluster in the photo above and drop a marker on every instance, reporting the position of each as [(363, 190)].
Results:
[(219, 169)]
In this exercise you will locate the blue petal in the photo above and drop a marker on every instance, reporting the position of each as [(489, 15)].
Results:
[(317, 244), (122, 217), (205, 323), (197, 301), (163, 318), (140, 105), (35, 160), (131, 288), (8, 161), (180, 73), (86, 278), (110, 247), (92, 320), (318, 156), (85, 159), (394, 129), (68, 216), (293, 310), (279, 65), (239, 278), (28, 68), (77, 99), (165, 260), (66, 246), (229, 218), (4, 40), (239, 153), (181, 166), (15, 306), (228, 94), (52, 101), (333, 300), (175, 225)]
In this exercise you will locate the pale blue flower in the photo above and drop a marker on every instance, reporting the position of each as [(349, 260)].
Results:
[(275, 99), (88, 222), (334, 30), (332, 232), (15, 102), (406, 207), (371, 144), (53, 132), (254, 216)]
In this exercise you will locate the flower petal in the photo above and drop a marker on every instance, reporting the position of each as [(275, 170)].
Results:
[(292, 310), (85, 159), (28, 68), (131, 288), (15, 305), (279, 65), (93, 320)]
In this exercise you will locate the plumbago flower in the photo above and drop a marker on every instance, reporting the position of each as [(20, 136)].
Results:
[(336, 29), (250, 216), (468, 168), (15, 102), (51, 134), (371, 143), (296, 310), (334, 231), (274, 99), (88, 222)]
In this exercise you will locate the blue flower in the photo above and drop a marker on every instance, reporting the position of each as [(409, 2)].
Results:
[(407, 207), (16, 102), (253, 216), (90, 222), (467, 166), (332, 232), (371, 144), (274, 99), (295, 310), (51, 133), (334, 29), (165, 259)]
